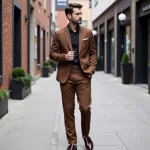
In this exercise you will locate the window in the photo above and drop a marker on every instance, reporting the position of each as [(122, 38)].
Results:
[(61, 4), (84, 23), (45, 4), (90, 3), (38, 46), (95, 2)]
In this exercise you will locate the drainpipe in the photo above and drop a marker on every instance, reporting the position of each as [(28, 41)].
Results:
[(28, 35), (50, 29)]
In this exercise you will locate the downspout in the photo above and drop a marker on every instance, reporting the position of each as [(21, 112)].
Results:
[(50, 29), (28, 35)]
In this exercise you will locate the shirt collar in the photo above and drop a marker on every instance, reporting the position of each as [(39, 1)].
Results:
[(72, 30)]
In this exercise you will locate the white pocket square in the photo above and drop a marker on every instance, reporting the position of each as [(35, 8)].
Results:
[(85, 39)]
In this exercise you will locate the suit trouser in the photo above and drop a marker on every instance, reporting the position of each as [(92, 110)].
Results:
[(80, 85)]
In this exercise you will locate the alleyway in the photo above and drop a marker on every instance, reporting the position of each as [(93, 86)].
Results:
[(120, 117)]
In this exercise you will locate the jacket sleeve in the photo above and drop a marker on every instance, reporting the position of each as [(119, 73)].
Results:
[(92, 53), (54, 53)]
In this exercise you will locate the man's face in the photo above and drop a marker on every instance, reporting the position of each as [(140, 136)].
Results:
[(76, 16)]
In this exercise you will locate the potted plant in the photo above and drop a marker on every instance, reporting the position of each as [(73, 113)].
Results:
[(149, 78), (46, 69), (126, 69), (4, 96), (98, 65), (53, 65), (20, 84)]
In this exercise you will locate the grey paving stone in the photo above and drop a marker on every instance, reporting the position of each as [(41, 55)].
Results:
[(136, 141), (120, 117)]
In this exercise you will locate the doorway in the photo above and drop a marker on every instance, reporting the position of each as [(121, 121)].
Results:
[(102, 57), (111, 51), (38, 45), (17, 38), (44, 45), (143, 49)]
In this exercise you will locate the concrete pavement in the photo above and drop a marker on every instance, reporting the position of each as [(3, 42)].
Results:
[(120, 117)]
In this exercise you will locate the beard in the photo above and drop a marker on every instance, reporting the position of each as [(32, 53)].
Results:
[(78, 22)]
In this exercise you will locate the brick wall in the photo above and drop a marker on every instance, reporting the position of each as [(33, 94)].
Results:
[(43, 17), (40, 14), (24, 34), (7, 42), (61, 19)]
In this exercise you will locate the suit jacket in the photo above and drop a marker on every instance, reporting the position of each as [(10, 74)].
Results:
[(87, 52)]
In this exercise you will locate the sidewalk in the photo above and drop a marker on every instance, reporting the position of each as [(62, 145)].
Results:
[(120, 117)]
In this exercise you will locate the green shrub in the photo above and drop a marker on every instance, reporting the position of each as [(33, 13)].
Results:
[(18, 72), (125, 58), (20, 76), (148, 64), (28, 76), (46, 63), (49, 68), (3, 94), (51, 62)]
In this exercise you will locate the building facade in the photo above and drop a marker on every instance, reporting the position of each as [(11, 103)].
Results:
[(115, 37), (24, 37), (40, 25), (6, 45), (61, 20)]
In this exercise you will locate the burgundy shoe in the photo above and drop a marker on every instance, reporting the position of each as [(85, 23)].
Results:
[(72, 147), (88, 143)]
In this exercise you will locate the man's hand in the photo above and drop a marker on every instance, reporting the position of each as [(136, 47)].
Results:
[(70, 56)]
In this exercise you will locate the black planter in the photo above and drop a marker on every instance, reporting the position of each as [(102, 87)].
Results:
[(3, 106), (98, 66), (149, 80), (126, 73), (18, 91), (45, 72), (54, 66), (52, 70)]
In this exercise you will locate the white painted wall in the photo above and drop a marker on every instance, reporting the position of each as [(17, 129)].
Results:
[(101, 6), (53, 10)]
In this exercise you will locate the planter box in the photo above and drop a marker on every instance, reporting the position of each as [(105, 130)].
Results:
[(3, 106), (149, 80), (52, 70), (126, 73), (55, 66), (45, 72), (18, 91), (98, 66)]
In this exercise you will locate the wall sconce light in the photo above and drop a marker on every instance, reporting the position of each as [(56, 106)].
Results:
[(26, 18), (122, 17), (94, 32)]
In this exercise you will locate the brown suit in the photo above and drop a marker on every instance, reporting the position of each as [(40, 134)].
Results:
[(74, 79)]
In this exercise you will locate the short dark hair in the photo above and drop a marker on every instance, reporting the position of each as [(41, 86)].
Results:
[(69, 8)]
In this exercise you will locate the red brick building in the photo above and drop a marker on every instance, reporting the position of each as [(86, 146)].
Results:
[(24, 37), (61, 20)]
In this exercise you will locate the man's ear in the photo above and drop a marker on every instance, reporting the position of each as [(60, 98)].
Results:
[(69, 16)]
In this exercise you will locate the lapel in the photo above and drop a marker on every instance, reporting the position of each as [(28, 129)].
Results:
[(81, 36), (67, 36), (68, 39)]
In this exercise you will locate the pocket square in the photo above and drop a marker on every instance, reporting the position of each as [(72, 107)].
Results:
[(85, 39)]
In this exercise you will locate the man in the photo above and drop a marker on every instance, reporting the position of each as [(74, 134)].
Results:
[(74, 50)]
